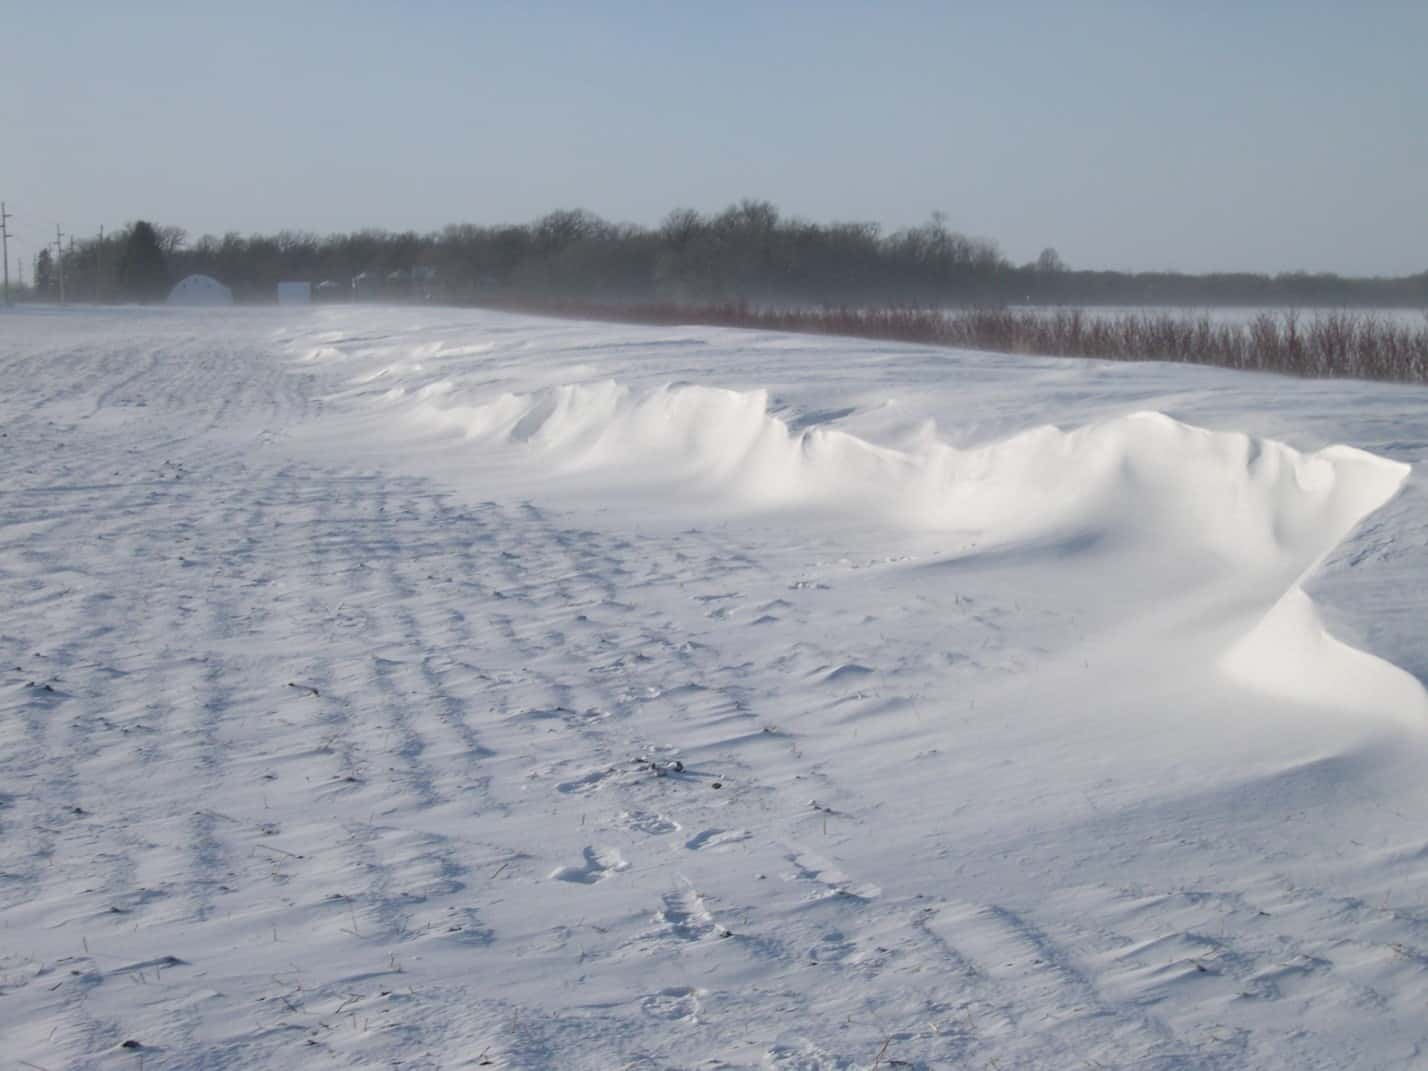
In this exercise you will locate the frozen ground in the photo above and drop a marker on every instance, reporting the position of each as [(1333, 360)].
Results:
[(426, 688)]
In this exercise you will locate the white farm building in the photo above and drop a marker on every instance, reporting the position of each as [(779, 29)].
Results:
[(294, 293), (200, 290)]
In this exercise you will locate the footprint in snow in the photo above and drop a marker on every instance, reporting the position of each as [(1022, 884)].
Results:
[(685, 915), (673, 1003), (589, 782), (647, 822), (599, 864), (716, 838), (829, 882)]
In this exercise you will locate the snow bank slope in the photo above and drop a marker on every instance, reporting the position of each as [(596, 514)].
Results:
[(1219, 504)]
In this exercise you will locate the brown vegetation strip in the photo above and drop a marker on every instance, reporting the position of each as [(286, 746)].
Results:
[(1324, 345)]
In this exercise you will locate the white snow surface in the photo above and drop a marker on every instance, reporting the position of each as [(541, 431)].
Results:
[(433, 688)]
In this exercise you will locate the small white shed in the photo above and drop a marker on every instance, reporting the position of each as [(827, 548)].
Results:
[(200, 290)]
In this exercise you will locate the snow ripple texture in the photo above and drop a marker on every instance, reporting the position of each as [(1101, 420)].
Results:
[(439, 689)]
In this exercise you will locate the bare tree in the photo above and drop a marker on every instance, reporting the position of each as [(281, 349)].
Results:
[(1050, 261), (172, 239)]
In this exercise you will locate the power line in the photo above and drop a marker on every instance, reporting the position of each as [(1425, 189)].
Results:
[(5, 247), (59, 260)]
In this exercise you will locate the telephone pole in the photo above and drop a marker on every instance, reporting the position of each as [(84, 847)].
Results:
[(59, 260), (99, 268), (5, 248)]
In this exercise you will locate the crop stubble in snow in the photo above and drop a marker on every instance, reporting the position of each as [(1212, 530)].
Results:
[(368, 675)]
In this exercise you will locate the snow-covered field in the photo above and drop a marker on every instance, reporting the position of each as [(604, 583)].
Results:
[(434, 688)]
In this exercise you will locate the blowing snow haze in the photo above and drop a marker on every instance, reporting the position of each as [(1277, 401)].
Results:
[(1267, 137)]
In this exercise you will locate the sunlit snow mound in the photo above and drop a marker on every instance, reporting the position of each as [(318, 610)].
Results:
[(1141, 479), (1147, 495)]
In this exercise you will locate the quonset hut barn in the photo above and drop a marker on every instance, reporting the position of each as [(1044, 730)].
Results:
[(200, 290)]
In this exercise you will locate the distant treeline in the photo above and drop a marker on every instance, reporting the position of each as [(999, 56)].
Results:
[(747, 253)]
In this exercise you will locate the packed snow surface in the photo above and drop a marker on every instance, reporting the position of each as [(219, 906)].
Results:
[(431, 688)]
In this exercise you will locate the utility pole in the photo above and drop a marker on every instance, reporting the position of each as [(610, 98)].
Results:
[(99, 268), (59, 260), (5, 247)]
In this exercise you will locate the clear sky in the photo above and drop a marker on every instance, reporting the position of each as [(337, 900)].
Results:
[(1194, 134)]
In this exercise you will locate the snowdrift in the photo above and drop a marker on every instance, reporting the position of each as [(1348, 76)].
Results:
[(1250, 516), (1140, 480)]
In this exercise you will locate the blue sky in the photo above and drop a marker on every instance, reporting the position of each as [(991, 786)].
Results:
[(1257, 136)]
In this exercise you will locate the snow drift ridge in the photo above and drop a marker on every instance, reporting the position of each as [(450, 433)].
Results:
[(1140, 479), (1253, 515)]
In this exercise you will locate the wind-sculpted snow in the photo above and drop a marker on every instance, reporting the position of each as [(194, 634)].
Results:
[(435, 688), (1142, 479), (1221, 502)]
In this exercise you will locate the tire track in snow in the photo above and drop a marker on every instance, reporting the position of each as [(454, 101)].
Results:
[(113, 482)]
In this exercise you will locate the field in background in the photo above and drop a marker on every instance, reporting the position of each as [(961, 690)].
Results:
[(1390, 346)]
